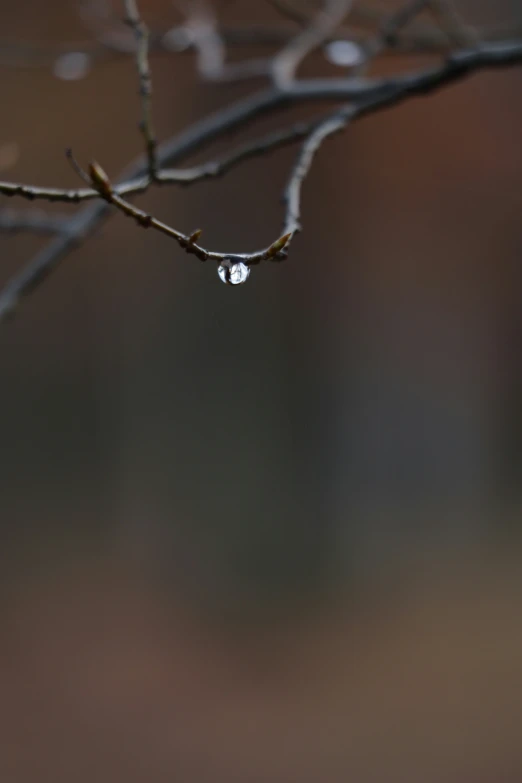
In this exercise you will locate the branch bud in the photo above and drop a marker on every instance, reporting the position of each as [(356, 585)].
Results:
[(100, 180), (279, 245), (193, 238)]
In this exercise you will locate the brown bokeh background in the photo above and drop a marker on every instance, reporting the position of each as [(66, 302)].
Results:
[(273, 533)]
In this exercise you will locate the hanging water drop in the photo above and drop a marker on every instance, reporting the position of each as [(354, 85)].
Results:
[(233, 271)]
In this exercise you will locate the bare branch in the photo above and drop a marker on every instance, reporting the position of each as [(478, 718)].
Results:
[(89, 217), (71, 196), (364, 95), (183, 176), (103, 185), (141, 32), (261, 146), (384, 94), (292, 195)]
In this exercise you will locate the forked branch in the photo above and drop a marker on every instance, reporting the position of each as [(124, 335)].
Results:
[(353, 96)]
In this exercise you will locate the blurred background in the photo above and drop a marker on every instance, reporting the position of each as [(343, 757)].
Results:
[(269, 533)]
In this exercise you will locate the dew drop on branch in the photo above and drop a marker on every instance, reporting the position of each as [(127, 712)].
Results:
[(344, 53), (72, 66), (233, 272)]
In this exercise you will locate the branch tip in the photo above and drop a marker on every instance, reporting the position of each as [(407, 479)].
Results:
[(100, 179), (278, 246), (193, 238), (77, 168)]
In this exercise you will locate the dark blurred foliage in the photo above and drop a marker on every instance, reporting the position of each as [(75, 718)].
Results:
[(266, 534)]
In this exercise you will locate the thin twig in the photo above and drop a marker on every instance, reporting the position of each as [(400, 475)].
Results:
[(260, 146), (141, 32), (292, 194), (188, 242), (66, 195), (183, 176)]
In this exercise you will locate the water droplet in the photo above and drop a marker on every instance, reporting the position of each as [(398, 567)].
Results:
[(72, 66), (233, 272), (344, 53)]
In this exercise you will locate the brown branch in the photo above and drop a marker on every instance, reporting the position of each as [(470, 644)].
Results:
[(141, 32), (292, 195), (261, 146), (102, 184), (365, 96), (183, 176), (69, 195)]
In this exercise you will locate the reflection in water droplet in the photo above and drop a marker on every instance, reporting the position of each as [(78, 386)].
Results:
[(233, 272), (72, 66), (344, 53)]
